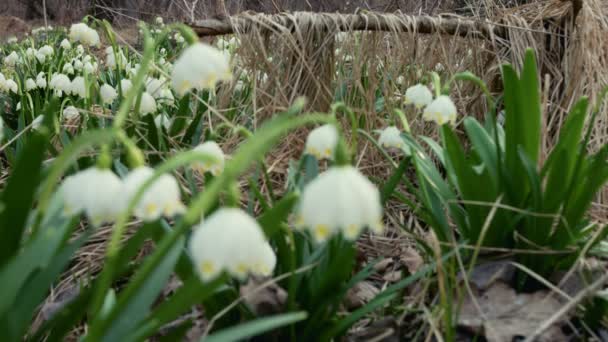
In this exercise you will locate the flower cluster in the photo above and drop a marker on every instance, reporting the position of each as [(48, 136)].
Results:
[(321, 142), (440, 110), (84, 34)]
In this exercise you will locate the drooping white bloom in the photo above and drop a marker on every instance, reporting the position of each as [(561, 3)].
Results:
[(40, 57), (200, 66), (12, 86), (400, 80), (115, 59), (97, 192), (65, 44), (391, 138), (70, 112), (78, 65), (230, 240), (87, 58), (108, 93), (60, 82), (154, 86), (12, 59), (78, 87), (41, 80), (162, 198), (82, 33), (68, 69), (12, 40), (213, 150), (166, 96), (148, 104), (442, 110), (37, 122), (80, 49), (30, 84), (46, 50), (126, 85), (89, 67), (2, 82), (159, 21), (162, 120), (340, 200), (418, 95), (179, 38), (30, 52), (321, 142)]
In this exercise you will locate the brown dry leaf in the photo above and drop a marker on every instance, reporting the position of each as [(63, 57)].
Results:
[(486, 274), (507, 315), (411, 259), (268, 300), (383, 264), (360, 294), (393, 277)]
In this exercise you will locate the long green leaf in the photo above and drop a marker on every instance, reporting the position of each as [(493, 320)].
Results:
[(257, 327)]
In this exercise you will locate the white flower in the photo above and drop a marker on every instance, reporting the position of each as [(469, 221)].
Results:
[(70, 112), (232, 241), (178, 38), (166, 96), (159, 20), (80, 49), (37, 122), (18, 106), (340, 200), (30, 84), (12, 59), (391, 138), (12, 86), (61, 83), (154, 86), (418, 95), (68, 69), (2, 82), (115, 59), (82, 33), (200, 66), (30, 52), (321, 142), (161, 198), (147, 104), (12, 40), (442, 110), (65, 44), (78, 87), (99, 193), (126, 85), (87, 58), (400, 80), (213, 150), (40, 57), (162, 120), (78, 65), (41, 80), (89, 67), (1, 129), (46, 50), (108, 94)]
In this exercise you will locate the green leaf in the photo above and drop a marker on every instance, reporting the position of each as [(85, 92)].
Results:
[(272, 220), (484, 146), (257, 327), (529, 97), (391, 184)]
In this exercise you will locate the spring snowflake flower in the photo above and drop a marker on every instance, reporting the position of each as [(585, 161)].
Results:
[(41, 80), (70, 112), (162, 120), (1, 129), (147, 104), (65, 44), (165, 96), (82, 33), (442, 110), (30, 84), (12, 59), (79, 49), (126, 85), (200, 66), (115, 59), (154, 86), (30, 52), (418, 95), (78, 87), (12, 86), (46, 50), (67, 69), (212, 149), (95, 191), (60, 83), (108, 94), (90, 68), (159, 21), (37, 122), (232, 241), (340, 200), (12, 40), (179, 38), (321, 142), (390, 137), (400, 80), (78, 65), (162, 198), (40, 57)]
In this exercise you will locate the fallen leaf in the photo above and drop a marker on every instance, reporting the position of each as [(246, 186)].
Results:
[(411, 259), (486, 274), (394, 276), (266, 301), (360, 294), (383, 264)]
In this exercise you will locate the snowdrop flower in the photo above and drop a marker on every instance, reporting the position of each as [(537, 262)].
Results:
[(147, 104), (340, 200), (41, 80), (161, 198), (37, 122), (65, 44), (46, 50), (232, 241), (126, 85), (82, 33), (12, 86), (200, 66), (95, 191), (40, 57), (321, 142), (162, 120), (12, 59), (30, 84), (61, 83), (78, 87), (442, 110), (418, 95), (108, 93), (68, 69), (70, 112), (12, 40), (211, 149), (391, 138)]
